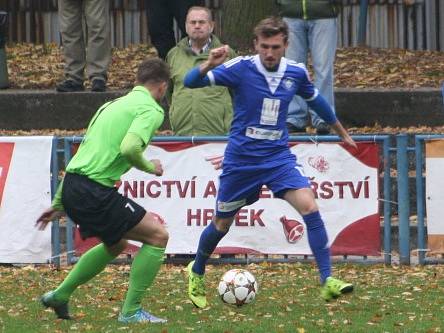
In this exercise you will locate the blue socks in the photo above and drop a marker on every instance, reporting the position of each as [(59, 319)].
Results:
[(318, 240), (209, 239)]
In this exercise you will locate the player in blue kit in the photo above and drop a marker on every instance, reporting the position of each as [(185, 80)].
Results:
[(257, 152)]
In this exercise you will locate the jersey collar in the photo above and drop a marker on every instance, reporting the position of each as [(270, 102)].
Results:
[(273, 78), (145, 91)]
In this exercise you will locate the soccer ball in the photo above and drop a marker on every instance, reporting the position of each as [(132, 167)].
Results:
[(237, 287)]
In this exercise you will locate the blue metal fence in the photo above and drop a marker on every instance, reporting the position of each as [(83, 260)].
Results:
[(400, 148), (384, 141)]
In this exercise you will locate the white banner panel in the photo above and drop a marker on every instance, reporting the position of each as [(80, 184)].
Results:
[(24, 193), (434, 194), (346, 187)]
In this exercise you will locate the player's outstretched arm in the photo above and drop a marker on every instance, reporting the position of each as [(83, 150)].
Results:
[(342, 132), (52, 213), (47, 216), (321, 107)]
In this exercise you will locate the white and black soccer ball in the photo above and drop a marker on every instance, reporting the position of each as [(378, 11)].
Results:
[(237, 287)]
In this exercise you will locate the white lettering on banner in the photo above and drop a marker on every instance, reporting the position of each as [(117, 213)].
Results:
[(1, 171), (244, 218), (263, 134)]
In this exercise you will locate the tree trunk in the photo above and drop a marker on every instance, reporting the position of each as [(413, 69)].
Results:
[(239, 17)]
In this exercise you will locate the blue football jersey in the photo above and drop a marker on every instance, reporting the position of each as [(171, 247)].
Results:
[(261, 98)]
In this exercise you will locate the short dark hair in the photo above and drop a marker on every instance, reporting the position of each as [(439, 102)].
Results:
[(271, 26), (153, 70)]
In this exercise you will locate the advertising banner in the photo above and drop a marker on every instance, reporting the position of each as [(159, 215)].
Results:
[(434, 196), (345, 183), (24, 193)]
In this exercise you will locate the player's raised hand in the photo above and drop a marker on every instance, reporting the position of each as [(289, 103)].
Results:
[(47, 216), (217, 56), (158, 169)]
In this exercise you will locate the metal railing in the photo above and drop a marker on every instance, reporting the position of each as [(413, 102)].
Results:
[(394, 149)]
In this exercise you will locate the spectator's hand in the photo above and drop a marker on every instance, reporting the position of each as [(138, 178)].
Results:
[(165, 133), (47, 216), (217, 56), (158, 169)]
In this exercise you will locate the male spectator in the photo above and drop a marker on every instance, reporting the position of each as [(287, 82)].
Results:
[(95, 53), (115, 140), (160, 15), (205, 111), (312, 27)]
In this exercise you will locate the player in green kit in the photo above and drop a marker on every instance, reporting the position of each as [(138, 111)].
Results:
[(115, 140)]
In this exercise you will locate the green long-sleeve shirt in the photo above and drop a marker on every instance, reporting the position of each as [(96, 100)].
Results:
[(116, 138)]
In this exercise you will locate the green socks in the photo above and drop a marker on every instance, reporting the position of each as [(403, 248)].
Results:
[(144, 269), (89, 265)]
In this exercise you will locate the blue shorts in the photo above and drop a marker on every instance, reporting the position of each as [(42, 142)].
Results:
[(240, 185)]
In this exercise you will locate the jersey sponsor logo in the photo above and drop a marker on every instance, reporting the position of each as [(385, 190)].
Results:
[(6, 150), (230, 206), (263, 134), (270, 111)]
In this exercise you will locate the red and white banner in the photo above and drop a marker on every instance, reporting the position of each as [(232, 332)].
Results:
[(435, 198), (345, 183), (24, 193)]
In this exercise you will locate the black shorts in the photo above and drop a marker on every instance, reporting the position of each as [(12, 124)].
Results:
[(98, 210)]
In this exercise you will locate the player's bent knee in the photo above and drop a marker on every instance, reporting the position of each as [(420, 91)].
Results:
[(309, 209), (163, 238), (159, 238), (117, 248)]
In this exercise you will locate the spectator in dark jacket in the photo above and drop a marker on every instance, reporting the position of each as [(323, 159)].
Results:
[(160, 14)]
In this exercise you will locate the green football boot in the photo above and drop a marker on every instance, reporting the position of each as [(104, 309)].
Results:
[(333, 288), (196, 287)]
